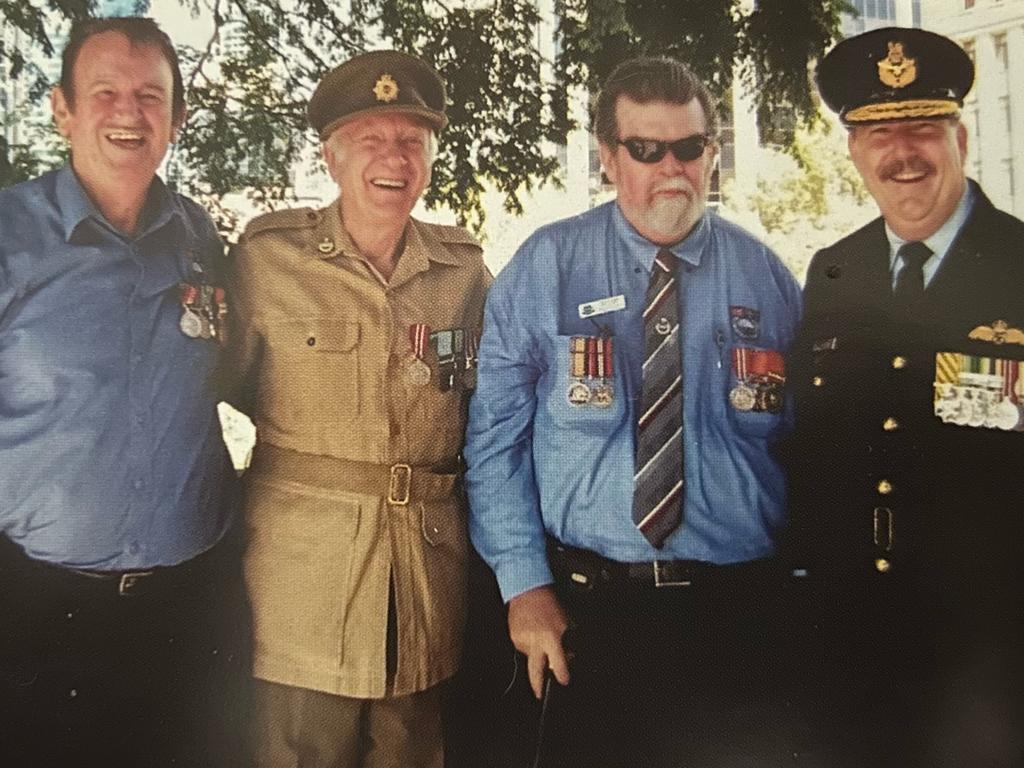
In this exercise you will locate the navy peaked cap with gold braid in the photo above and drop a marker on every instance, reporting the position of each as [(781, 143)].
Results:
[(894, 73), (378, 81)]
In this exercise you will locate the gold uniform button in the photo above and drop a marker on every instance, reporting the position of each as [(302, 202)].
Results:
[(818, 381), (890, 424), (899, 362), (884, 487), (882, 565)]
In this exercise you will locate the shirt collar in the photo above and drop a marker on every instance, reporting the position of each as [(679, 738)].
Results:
[(75, 207), (690, 249), (940, 242)]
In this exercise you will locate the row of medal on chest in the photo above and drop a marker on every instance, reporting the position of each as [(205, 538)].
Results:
[(759, 375)]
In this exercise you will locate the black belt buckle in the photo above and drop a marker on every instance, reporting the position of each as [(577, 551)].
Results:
[(132, 583), (668, 573)]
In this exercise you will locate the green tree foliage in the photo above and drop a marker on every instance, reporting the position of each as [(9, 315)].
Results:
[(508, 105), (816, 177)]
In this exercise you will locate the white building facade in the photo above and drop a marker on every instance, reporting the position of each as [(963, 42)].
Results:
[(992, 33)]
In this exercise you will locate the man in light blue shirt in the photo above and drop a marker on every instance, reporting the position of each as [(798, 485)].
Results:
[(122, 613), (553, 443)]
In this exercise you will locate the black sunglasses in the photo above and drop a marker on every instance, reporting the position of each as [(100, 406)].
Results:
[(652, 150)]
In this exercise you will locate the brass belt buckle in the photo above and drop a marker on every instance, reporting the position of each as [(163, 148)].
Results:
[(130, 582), (662, 579), (399, 484)]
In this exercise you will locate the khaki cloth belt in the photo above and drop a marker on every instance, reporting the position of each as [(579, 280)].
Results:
[(398, 483)]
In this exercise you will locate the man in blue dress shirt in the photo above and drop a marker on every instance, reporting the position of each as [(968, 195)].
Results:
[(122, 616), (663, 575)]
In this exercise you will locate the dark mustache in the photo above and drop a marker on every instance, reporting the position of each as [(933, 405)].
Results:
[(913, 164)]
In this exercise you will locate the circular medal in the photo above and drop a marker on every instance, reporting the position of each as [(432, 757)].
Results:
[(603, 395), (418, 372), (579, 393), (1004, 415), (769, 398), (663, 326), (743, 398), (978, 409), (191, 324)]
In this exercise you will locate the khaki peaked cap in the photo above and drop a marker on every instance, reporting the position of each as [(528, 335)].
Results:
[(377, 82)]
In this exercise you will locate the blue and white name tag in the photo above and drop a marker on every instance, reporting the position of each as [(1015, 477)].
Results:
[(602, 306)]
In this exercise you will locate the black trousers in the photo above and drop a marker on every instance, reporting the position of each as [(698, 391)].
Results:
[(671, 676), (925, 673), (92, 677)]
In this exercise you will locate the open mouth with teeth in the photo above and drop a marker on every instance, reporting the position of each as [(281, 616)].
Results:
[(389, 183), (908, 178), (126, 139)]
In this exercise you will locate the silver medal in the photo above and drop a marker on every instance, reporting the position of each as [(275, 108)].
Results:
[(191, 324)]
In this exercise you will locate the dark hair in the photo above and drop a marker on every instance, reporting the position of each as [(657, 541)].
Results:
[(645, 79), (139, 31)]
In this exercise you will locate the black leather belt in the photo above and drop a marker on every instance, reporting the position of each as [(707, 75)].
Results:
[(585, 569), (121, 583)]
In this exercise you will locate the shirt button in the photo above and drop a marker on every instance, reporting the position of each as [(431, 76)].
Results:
[(818, 381), (890, 424), (884, 487), (899, 362)]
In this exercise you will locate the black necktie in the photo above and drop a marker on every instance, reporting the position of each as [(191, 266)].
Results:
[(910, 280), (658, 469)]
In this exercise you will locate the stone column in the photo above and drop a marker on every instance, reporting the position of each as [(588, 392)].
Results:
[(990, 83), (1015, 74)]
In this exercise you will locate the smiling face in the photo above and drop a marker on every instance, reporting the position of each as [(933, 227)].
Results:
[(914, 169), (662, 200), (381, 163), (121, 123)]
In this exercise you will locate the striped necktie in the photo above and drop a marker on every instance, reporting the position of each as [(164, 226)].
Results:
[(658, 468), (910, 280)]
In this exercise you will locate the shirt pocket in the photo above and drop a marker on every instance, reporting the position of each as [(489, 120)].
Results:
[(311, 376), (593, 405), (298, 562), (440, 575), (755, 394)]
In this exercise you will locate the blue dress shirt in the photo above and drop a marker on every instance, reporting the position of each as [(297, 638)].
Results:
[(112, 453), (538, 462)]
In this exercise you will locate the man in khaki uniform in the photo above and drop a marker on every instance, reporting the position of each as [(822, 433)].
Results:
[(356, 330)]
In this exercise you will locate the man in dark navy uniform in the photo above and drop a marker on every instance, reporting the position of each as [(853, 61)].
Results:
[(906, 466)]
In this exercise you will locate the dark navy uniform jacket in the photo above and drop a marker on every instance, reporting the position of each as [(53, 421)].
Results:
[(880, 485)]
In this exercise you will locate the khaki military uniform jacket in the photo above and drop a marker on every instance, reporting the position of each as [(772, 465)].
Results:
[(354, 479)]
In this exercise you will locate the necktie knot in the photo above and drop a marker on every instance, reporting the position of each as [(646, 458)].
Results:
[(910, 280), (665, 262), (914, 254)]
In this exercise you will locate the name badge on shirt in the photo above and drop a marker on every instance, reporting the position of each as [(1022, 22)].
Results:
[(602, 306)]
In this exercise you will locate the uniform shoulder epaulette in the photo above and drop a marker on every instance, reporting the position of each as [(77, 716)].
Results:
[(289, 218), (453, 234)]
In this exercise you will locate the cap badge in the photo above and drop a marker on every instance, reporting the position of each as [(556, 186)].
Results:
[(999, 332), (386, 88), (896, 70)]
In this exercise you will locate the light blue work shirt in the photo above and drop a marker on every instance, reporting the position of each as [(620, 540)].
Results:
[(538, 462), (112, 452)]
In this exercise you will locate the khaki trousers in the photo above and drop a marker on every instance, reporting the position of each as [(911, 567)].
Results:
[(301, 728)]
